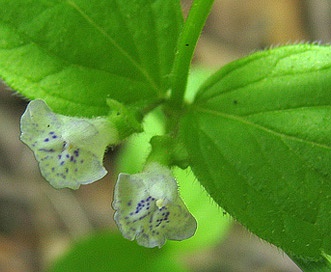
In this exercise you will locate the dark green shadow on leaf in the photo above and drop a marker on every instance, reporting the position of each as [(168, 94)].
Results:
[(323, 265)]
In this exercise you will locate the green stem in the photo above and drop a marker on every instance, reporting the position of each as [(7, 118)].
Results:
[(185, 48)]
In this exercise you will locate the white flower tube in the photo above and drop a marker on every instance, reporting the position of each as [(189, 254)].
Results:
[(149, 209)]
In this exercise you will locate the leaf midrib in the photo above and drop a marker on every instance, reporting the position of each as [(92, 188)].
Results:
[(113, 42), (260, 127), (28, 41)]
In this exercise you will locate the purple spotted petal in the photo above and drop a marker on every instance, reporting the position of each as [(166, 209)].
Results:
[(148, 212), (63, 160)]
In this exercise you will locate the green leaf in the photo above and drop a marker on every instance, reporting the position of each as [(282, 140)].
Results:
[(259, 138), (76, 53), (106, 252)]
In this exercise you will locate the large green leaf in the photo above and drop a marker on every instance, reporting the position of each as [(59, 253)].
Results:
[(259, 138), (76, 53)]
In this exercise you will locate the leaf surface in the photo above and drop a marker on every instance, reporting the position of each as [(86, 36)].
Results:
[(76, 53), (259, 137)]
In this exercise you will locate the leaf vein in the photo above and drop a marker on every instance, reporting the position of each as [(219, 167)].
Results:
[(263, 128), (113, 42), (299, 107), (270, 75)]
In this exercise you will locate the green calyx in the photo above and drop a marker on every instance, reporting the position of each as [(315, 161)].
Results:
[(126, 119), (167, 151)]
